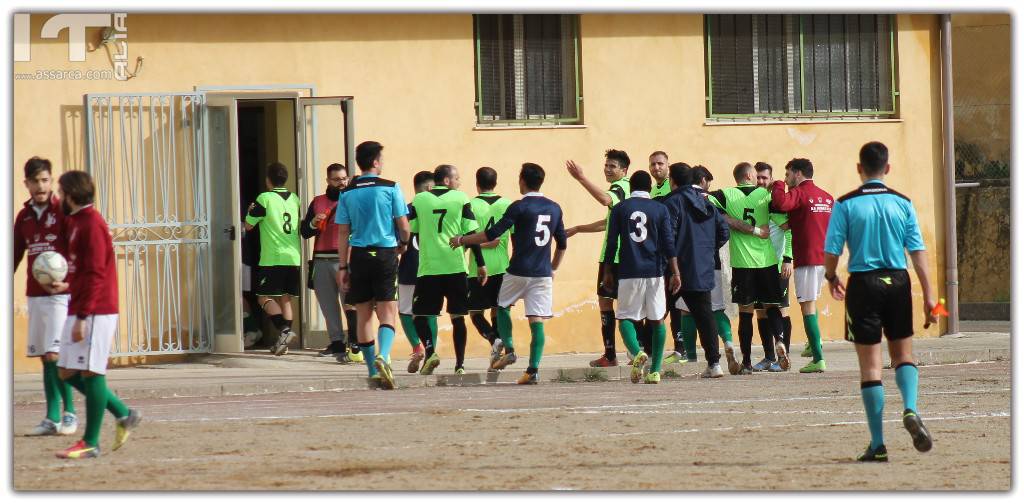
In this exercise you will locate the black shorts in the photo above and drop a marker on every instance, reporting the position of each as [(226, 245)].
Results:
[(608, 291), (878, 301), (484, 297), (274, 281), (784, 282), (756, 285), (432, 291), (373, 275)]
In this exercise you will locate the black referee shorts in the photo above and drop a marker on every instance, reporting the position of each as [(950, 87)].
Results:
[(879, 302), (433, 290), (373, 275)]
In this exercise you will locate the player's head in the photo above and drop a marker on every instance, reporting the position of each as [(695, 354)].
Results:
[(744, 173), (798, 170), (700, 175), (764, 174), (486, 179), (277, 174), (874, 161), (640, 181), (76, 190), (423, 181), (658, 165), (369, 157), (446, 175), (616, 164), (337, 176), (38, 179), (531, 178), (679, 174)]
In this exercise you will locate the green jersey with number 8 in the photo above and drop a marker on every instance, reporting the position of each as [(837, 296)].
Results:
[(750, 204), (277, 213)]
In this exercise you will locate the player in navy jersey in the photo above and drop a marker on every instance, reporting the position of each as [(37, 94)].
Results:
[(642, 226), (536, 221)]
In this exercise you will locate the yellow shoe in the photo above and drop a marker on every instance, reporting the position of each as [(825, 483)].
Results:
[(637, 372), (124, 428), (653, 377), (527, 379), (355, 356)]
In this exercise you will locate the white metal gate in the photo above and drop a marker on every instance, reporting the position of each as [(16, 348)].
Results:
[(147, 155)]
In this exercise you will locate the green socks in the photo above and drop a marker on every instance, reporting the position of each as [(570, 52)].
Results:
[(658, 347), (536, 343), (114, 404), (504, 329), (410, 330), (724, 327), (813, 335), (432, 322), (96, 394), (628, 330), (52, 388), (688, 326)]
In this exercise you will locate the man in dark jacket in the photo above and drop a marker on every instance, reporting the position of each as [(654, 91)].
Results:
[(700, 232)]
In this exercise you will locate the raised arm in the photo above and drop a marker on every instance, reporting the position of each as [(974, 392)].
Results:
[(596, 192), (782, 200)]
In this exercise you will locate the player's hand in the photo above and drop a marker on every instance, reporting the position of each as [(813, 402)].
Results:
[(401, 249), (837, 289), (569, 233), (762, 232), (251, 206), (481, 274), (78, 330), (787, 270), (575, 170), (318, 218), (455, 241), (343, 280), (674, 284), (929, 317), (56, 287), (607, 279)]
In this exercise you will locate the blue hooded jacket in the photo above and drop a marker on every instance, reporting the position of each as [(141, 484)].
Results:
[(700, 232)]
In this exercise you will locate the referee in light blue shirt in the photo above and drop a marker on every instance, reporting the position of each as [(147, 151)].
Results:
[(877, 224), (371, 212)]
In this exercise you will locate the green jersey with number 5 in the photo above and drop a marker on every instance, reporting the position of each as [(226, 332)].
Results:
[(277, 213), (436, 216), (748, 203)]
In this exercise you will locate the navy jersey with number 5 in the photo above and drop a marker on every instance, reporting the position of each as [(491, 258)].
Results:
[(535, 221), (647, 238)]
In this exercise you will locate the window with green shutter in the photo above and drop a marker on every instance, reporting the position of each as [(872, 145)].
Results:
[(795, 66), (527, 69)]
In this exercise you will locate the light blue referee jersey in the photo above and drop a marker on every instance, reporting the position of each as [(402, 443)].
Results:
[(370, 206), (877, 224)]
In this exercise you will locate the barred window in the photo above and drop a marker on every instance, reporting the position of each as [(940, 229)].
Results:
[(786, 65), (527, 68)]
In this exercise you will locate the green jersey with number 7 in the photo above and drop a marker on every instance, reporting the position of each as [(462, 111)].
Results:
[(436, 216)]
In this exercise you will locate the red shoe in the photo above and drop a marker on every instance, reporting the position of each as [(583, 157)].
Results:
[(603, 362), (79, 450)]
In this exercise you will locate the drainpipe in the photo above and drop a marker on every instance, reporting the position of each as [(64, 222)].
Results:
[(948, 163)]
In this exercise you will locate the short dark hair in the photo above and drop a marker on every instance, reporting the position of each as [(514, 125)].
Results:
[(366, 153), (873, 157), (620, 156), (680, 174), (486, 178), (700, 173), (658, 153), (333, 167), (761, 166), (36, 164), (277, 172), (803, 166), (532, 176), (442, 172), (640, 181), (421, 178), (77, 186), (741, 170)]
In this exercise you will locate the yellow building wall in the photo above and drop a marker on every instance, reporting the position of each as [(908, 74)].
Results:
[(412, 77)]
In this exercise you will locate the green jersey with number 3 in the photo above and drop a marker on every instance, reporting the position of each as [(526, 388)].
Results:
[(750, 204), (277, 213), (436, 216)]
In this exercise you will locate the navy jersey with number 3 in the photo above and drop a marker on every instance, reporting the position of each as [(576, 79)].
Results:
[(535, 221), (646, 236)]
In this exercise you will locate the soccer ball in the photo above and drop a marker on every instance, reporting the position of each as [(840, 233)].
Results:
[(49, 267)]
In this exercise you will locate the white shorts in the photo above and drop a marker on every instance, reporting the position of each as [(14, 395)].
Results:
[(46, 315), (246, 278), (717, 296), (641, 298), (93, 352), (809, 280), (534, 291), (405, 293)]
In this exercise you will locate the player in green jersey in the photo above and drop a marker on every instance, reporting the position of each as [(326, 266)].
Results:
[(782, 242), (435, 216), (277, 278), (755, 267), (488, 208), (616, 165)]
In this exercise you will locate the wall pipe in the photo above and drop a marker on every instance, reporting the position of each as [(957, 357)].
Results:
[(949, 164)]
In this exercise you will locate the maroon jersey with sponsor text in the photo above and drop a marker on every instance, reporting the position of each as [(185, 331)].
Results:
[(91, 268), (809, 208), (35, 233)]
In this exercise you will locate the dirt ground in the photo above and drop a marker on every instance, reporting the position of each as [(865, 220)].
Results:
[(763, 432)]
